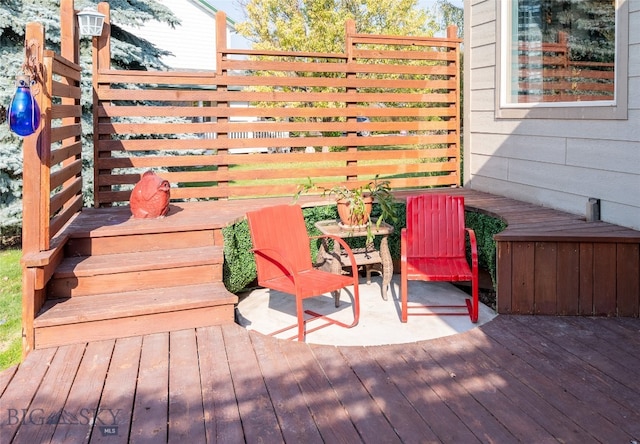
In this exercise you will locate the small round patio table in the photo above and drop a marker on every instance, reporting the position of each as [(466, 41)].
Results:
[(369, 257)]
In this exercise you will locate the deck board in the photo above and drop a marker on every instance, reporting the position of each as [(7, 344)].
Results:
[(324, 403), (294, 418), (514, 379), (186, 414), (363, 409), (501, 402), (113, 417), (152, 394), (408, 423), (450, 395), (536, 390), (49, 400), (84, 396), (6, 376), (441, 420), (222, 417), (259, 421), (21, 390), (565, 375)]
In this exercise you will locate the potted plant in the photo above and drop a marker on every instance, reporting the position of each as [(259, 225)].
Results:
[(355, 203)]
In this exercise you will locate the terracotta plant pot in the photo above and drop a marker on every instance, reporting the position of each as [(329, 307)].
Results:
[(351, 219)]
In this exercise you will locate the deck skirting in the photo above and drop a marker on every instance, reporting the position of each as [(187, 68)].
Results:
[(579, 277)]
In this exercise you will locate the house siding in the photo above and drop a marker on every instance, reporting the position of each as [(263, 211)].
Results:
[(557, 163), (192, 43)]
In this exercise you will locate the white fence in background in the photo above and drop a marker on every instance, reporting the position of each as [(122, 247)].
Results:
[(254, 135)]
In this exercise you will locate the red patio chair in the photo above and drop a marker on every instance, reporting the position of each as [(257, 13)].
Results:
[(281, 246), (432, 248)]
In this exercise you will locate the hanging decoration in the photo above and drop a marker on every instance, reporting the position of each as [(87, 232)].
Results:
[(24, 112)]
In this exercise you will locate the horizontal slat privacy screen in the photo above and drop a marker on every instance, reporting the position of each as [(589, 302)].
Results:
[(265, 121)]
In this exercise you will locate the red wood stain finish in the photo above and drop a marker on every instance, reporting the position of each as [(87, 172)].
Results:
[(221, 414), (367, 415), (186, 414), (84, 396), (150, 406), (295, 419), (516, 378), (117, 400)]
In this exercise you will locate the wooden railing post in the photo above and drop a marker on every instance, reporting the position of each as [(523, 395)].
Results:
[(452, 34), (350, 30), (69, 32), (35, 186), (70, 50), (101, 61), (221, 49), (33, 190)]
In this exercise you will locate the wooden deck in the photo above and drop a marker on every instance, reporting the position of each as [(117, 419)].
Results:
[(548, 262), (515, 379)]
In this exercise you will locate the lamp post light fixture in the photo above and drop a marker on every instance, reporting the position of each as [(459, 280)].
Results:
[(90, 22)]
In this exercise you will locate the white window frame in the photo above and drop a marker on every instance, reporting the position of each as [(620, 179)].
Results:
[(615, 109)]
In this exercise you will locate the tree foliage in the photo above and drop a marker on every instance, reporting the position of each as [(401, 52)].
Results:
[(127, 52), (590, 26), (319, 25), (449, 14)]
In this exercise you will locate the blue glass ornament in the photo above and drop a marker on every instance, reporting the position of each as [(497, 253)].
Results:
[(24, 113)]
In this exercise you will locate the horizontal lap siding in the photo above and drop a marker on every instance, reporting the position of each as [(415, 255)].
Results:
[(569, 278)]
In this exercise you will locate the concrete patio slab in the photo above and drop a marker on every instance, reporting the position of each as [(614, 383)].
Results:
[(267, 311)]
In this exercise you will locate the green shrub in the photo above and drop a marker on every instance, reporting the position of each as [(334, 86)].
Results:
[(239, 268), (485, 228)]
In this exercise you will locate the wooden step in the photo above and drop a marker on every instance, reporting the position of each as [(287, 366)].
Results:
[(92, 246), (118, 315), (89, 275)]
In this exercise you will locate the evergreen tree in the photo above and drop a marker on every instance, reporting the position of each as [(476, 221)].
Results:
[(590, 26), (127, 52)]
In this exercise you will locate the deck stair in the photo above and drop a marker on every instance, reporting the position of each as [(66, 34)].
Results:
[(112, 284)]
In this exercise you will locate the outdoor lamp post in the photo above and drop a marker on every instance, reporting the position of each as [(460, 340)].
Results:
[(90, 22), (24, 112)]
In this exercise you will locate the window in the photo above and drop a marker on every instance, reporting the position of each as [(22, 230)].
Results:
[(561, 54)]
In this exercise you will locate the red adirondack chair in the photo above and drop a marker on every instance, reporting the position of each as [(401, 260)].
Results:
[(281, 246), (433, 249)]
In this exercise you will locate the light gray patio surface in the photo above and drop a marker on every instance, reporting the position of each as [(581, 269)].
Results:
[(267, 311)]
